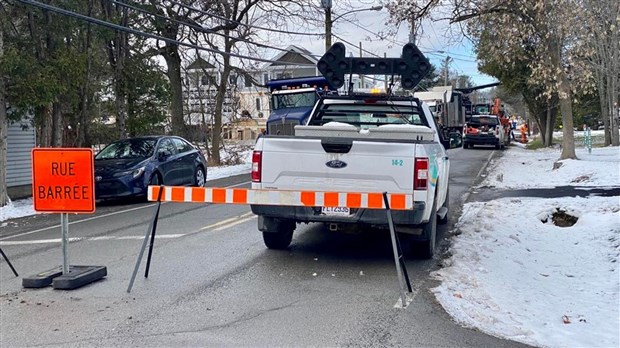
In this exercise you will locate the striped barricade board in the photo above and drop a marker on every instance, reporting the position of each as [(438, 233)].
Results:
[(367, 200)]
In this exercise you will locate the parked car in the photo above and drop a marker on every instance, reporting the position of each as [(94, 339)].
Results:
[(126, 167)]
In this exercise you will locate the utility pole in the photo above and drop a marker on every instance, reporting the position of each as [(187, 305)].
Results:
[(412, 31), (327, 6), (361, 75), (447, 70)]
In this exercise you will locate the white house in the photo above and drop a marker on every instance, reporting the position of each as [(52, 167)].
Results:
[(21, 139)]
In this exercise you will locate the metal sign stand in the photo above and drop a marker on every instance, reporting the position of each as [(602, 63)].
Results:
[(151, 230), (64, 232), (9, 262), (401, 267), (66, 277)]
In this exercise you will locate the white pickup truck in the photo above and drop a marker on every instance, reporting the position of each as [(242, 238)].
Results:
[(357, 144)]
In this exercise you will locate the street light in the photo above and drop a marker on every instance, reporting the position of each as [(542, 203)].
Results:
[(327, 5)]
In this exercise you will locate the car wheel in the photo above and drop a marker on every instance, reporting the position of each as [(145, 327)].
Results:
[(425, 249), (446, 205), (200, 177), (465, 145), (280, 234)]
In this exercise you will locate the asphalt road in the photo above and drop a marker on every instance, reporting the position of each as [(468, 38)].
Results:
[(213, 282)]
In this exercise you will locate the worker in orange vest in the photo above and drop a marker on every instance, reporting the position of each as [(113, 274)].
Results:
[(523, 129)]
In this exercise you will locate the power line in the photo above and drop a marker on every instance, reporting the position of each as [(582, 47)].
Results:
[(396, 42), (243, 24), (142, 33), (199, 27)]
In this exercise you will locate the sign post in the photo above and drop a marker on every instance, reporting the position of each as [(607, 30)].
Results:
[(63, 182)]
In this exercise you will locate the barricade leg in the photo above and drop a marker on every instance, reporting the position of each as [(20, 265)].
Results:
[(151, 231), (9, 262), (401, 267)]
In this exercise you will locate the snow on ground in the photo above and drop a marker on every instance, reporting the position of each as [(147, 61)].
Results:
[(522, 168), (515, 274), (16, 209), (225, 171)]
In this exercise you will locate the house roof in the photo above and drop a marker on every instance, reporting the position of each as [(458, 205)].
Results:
[(294, 55), (200, 64)]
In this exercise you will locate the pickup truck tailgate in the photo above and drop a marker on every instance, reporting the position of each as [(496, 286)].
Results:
[(337, 165)]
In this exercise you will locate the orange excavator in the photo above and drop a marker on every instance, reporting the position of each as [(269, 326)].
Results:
[(498, 111)]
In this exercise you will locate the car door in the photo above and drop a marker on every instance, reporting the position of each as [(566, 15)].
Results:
[(167, 156), (186, 159)]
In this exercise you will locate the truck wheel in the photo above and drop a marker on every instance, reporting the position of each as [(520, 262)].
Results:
[(426, 248), (278, 234), (279, 240), (446, 205)]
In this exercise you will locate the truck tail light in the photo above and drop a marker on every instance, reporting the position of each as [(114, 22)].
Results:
[(420, 178), (257, 166)]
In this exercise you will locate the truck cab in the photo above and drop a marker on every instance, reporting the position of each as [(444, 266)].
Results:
[(292, 101)]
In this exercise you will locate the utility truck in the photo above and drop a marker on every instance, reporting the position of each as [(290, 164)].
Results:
[(292, 100), (359, 143)]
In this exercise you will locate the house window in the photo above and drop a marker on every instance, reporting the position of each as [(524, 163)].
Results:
[(265, 78), (248, 81), (284, 75), (258, 104)]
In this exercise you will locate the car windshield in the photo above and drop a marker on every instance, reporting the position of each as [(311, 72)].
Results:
[(366, 116), (130, 148), (283, 101)]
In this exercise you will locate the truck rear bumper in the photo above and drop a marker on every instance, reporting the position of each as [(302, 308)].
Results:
[(481, 140), (358, 216)]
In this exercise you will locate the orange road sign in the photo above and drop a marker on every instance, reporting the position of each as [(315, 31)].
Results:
[(63, 180)]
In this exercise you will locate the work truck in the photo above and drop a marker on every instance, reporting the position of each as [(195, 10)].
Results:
[(359, 143), (292, 100)]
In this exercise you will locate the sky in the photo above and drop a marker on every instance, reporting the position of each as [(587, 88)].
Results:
[(437, 39), (512, 272)]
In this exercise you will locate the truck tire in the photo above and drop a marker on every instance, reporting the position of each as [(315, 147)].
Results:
[(446, 205), (425, 249), (277, 234)]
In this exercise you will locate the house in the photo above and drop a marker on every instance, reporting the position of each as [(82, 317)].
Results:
[(21, 139), (200, 89)]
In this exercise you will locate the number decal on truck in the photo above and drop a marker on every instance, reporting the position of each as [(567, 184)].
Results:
[(397, 163)]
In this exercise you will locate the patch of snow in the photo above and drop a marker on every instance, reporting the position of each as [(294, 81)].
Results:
[(16, 209), (521, 168), (514, 274)]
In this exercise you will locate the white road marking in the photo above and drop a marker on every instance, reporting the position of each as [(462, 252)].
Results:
[(97, 217), (78, 239), (220, 226)]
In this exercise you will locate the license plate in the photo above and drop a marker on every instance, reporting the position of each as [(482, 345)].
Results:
[(336, 211)]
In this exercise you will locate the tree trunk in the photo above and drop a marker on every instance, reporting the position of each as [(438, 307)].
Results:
[(4, 125), (566, 107), (602, 94), (173, 60), (57, 126), (613, 108), (84, 118), (219, 104)]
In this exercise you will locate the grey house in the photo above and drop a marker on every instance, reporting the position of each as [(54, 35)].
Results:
[(20, 141)]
